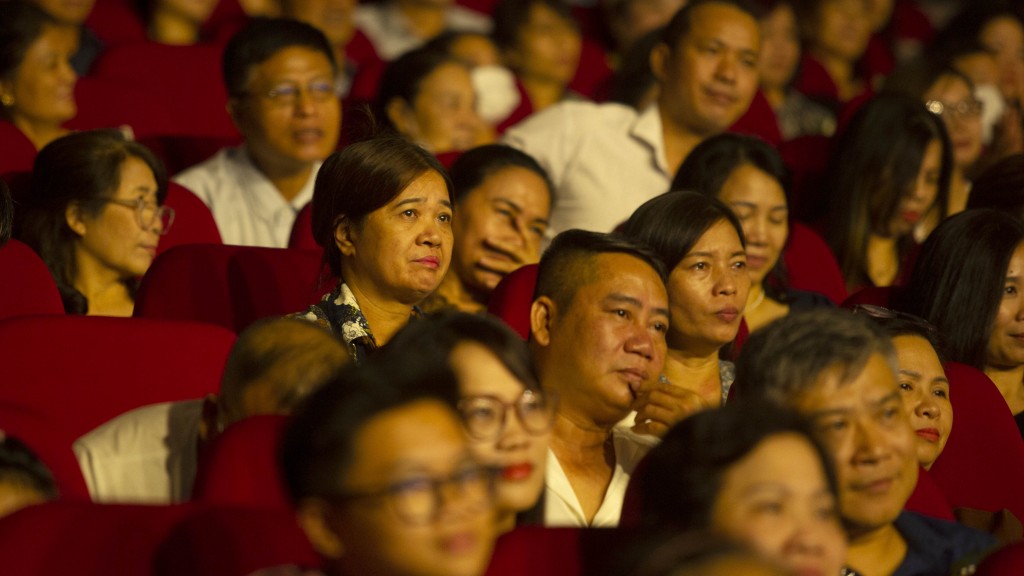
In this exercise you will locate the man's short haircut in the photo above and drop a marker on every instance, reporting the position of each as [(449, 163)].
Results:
[(318, 446), (290, 356), (19, 466), (259, 41), (789, 356), (679, 26), (511, 16), (567, 263)]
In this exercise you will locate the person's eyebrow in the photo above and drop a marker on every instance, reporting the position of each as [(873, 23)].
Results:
[(911, 373), (894, 395)]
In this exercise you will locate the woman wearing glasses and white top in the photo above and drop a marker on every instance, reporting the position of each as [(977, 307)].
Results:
[(95, 215), (505, 411)]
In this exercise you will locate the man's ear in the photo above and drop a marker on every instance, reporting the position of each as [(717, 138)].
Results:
[(313, 516), (542, 314), (659, 60), (74, 217), (344, 235)]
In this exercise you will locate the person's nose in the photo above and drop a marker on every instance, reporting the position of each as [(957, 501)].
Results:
[(756, 231), (431, 234), (872, 444), (726, 69), (927, 407), (640, 341), (726, 283)]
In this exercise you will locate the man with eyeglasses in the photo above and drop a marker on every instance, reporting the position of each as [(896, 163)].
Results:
[(281, 77)]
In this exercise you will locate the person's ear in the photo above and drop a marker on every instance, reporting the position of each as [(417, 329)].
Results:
[(659, 59), (209, 421), (542, 313), (402, 117), (75, 219), (345, 235), (313, 515)]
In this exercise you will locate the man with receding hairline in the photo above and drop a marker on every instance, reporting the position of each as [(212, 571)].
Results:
[(149, 455)]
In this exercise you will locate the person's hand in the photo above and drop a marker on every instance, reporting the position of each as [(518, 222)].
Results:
[(662, 406)]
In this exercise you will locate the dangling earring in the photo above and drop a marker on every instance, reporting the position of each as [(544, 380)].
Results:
[(7, 100)]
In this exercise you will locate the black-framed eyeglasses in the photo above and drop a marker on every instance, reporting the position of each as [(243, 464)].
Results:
[(965, 109), (287, 93), (485, 415), (418, 500), (148, 213)]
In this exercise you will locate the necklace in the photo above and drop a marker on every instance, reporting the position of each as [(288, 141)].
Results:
[(757, 302)]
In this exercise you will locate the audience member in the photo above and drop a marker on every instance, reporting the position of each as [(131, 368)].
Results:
[(754, 473), (796, 114), (541, 42), (71, 16), (839, 370), (606, 160), (382, 474), (949, 94), (968, 283), (149, 455), (37, 84), (506, 412), (175, 22), (598, 324), (1000, 187), (382, 211), (835, 35), (503, 199), (973, 60), (280, 77), (669, 553), (700, 242), (24, 479), (889, 168), (748, 175), (630, 20), (94, 215), (428, 97), (395, 27), (921, 378), (634, 83)]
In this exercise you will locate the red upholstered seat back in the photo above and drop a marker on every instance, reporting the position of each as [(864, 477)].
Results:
[(82, 370), (872, 295), (928, 499), (512, 298), (811, 264), (112, 104), (18, 151), (189, 282), (193, 222), (982, 465), (275, 281), (540, 551), (302, 230), (27, 287), (240, 467), (1006, 561), (51, 444)]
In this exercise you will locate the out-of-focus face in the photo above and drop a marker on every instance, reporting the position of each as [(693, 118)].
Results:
[(14, 497), (42, 87), (500, 227), (609, 343), (401, 251), (547, 47), (962, 116), (1004, 38), (194, 11), (485, 384), (71, 12), (475, 50), (290, 116), (780, 47), (399, 454), (760, 204), (114, 240), (866, 430), (919, 198), (710, 77), (925, 395), (443, 116), (776, 499), (843, 29), (1006, 342), (708, 290), (332, 17)]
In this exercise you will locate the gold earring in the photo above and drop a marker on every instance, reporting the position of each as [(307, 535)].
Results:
[(7, 100)]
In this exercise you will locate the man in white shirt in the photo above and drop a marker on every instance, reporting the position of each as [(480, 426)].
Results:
[(281, 80), (607, 159), (598, 328), (149, 455)]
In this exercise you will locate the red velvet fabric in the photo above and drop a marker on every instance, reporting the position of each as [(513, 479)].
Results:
[(240, 466), (928, 498), (193, 222), (811, 265), (28, 288), (302, 230), (47, 439), (18, 151), (512, 297), (759, 120)]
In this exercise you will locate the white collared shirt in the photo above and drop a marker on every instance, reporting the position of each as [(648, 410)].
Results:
[(248, 208)]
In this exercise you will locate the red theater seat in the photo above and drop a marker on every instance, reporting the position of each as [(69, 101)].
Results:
[(18, 151), (240, 467), (1004, 562), (189, 283), (811, 265), (302, 231), (27, 288), (540, 551), (82, 371), (106, 104), (193, 222), (274, 281), (512, 298), (49, 442)]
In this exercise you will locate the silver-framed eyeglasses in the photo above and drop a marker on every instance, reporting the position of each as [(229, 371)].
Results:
[(485, 415), (287, 93), (148, 213), (418, 500), (963, 110)]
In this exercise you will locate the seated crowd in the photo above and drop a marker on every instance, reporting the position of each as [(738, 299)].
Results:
[(745, 323)]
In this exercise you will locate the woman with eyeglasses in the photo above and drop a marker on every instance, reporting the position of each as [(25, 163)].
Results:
[(95, 215), (505, 411)]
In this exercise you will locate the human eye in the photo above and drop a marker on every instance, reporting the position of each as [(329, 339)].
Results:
[(739, 265), (321, 89), (749, 60), (445, 217), (906, 386), (1010, 290), (834, 425), (699, 266), (412, 487), (409, 214), (769, 506), (283, 93), (538, 230), (891, 412), (661, 327), (941, 392)]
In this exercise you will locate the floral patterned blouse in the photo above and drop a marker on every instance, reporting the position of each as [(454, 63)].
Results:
[(339, 312)]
